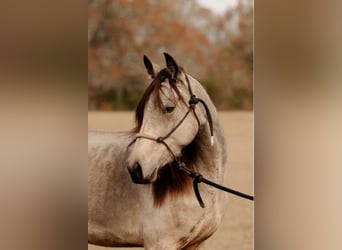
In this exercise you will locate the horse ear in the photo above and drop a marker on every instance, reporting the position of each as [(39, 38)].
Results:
[(149, 67), (171, 65)]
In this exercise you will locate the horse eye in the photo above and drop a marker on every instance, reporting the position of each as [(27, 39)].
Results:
[(169, 109)]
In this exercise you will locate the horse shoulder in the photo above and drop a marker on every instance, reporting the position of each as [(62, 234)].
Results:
[(113, 202)]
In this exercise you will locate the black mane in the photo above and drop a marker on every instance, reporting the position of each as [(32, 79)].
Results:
[(153, 90)]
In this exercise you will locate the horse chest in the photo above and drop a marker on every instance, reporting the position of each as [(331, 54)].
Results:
[(180, 222)]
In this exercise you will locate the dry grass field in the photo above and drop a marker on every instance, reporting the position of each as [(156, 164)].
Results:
[(236, 231)]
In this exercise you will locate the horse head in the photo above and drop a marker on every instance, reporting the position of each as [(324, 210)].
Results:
[(166, 121)]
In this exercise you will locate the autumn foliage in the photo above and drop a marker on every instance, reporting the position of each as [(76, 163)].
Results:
[(217, 50)]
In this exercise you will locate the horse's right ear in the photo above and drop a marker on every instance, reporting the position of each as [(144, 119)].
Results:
[(171, 65), (149, 67)]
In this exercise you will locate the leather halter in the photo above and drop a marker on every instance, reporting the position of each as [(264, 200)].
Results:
[(181, 165)]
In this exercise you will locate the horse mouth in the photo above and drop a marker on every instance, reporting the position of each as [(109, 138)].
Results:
[(152, 178), (141, 181)]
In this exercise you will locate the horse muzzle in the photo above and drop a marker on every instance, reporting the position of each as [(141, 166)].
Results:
[(137, 176)]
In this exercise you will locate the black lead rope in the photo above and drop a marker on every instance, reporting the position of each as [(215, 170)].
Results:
[(198, 178)]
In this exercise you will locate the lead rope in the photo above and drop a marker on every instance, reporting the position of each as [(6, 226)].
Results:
[(198, 178)]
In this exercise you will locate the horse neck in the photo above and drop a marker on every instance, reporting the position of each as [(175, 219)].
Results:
[(209, 158)]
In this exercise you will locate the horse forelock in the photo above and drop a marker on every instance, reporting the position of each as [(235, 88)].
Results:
[(152, 91)]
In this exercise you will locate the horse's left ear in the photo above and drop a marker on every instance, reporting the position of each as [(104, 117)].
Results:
[(171, 65), (149, 67)]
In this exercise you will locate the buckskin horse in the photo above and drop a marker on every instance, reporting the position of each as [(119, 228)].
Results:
[(138, 193)]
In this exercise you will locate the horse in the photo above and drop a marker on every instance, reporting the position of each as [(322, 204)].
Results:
[(137, 193)]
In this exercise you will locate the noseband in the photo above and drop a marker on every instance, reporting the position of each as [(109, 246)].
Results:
[(180, 164)]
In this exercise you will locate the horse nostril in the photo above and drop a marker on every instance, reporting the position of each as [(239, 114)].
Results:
[(136, 173)]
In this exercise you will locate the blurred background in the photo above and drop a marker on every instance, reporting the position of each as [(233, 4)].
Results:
[(297, 125), (213, 41)]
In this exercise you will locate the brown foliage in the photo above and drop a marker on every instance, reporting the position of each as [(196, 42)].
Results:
[(217, 50)]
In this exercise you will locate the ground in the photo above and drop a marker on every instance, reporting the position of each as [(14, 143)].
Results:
[(236, 231)]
